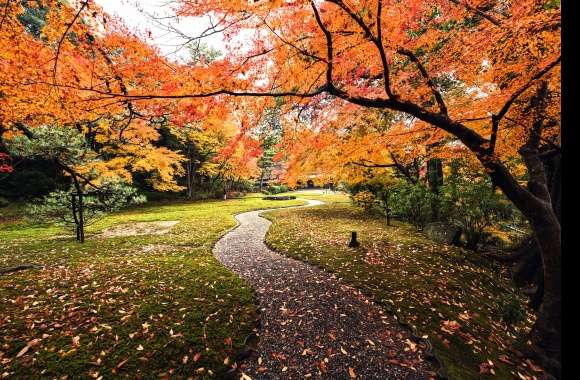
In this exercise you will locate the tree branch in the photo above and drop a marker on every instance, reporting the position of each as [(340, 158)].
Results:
[(60, 42), (425, 74), (329, 53), (496, 118), (483, 14), (377, 41)]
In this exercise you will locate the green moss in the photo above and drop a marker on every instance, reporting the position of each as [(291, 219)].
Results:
[(141, 306)]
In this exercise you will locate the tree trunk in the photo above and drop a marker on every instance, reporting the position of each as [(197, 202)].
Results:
[(78, 209), (546, 333), (190, 173), (435, 174), (73, 201), (81, 218)]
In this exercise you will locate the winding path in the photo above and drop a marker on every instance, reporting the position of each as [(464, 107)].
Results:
[(313, 325)]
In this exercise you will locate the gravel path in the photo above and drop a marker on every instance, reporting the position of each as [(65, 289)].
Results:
[(313, 325)]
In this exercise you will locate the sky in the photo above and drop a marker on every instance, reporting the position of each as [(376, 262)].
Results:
[(138, 15)]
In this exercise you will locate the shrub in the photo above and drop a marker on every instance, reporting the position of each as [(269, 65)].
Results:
[(473, 206), (511, 311), (63, 206), (412, 202), (277, 189)]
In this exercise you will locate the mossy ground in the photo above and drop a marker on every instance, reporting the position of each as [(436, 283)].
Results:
[(150, 306), (452, 296)]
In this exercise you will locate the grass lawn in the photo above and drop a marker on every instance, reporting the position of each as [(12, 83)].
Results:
[(149, 306), (452, 296)]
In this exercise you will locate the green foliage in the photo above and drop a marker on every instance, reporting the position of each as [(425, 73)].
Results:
[(412, 202), (276, 189), (552, 4), (202, 54), (465, 199), (57, 205), (51, 142), (270, 134), (33, 18), (472, 204)]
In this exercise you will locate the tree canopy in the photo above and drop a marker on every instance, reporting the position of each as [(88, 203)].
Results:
[(354, 85)]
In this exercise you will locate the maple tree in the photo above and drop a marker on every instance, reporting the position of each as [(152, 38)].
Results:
[(482, 73), (473, 70)]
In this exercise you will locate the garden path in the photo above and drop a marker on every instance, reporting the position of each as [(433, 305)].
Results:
[(312, 324)]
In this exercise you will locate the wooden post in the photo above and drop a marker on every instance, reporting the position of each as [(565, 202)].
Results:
[(353, 242)]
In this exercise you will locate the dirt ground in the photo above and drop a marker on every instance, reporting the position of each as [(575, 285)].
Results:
[(140, 228)]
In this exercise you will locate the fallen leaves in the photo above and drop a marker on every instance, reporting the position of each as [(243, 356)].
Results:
[(450, 327), (351, 373), (487, 367), (111, 293), (410, 345), (23, 351), (447, 295)]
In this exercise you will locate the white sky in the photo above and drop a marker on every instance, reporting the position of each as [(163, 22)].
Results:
[(137, 15)]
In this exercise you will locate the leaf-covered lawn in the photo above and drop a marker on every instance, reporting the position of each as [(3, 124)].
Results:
[(136, 307), (450, 295)]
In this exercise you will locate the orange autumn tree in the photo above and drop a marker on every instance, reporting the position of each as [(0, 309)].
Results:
[(359, 143), (471, 69), (485, 73), (219, 148), (349, 139), (50, 47)]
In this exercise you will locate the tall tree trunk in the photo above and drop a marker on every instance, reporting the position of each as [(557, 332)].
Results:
[(536, 204), (435, 179), (189, 174), (529, 267), (261, 181), (435, 174), (73, 200), (546, 333)]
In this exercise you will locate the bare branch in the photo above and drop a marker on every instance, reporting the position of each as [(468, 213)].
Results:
[(293, 45)]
